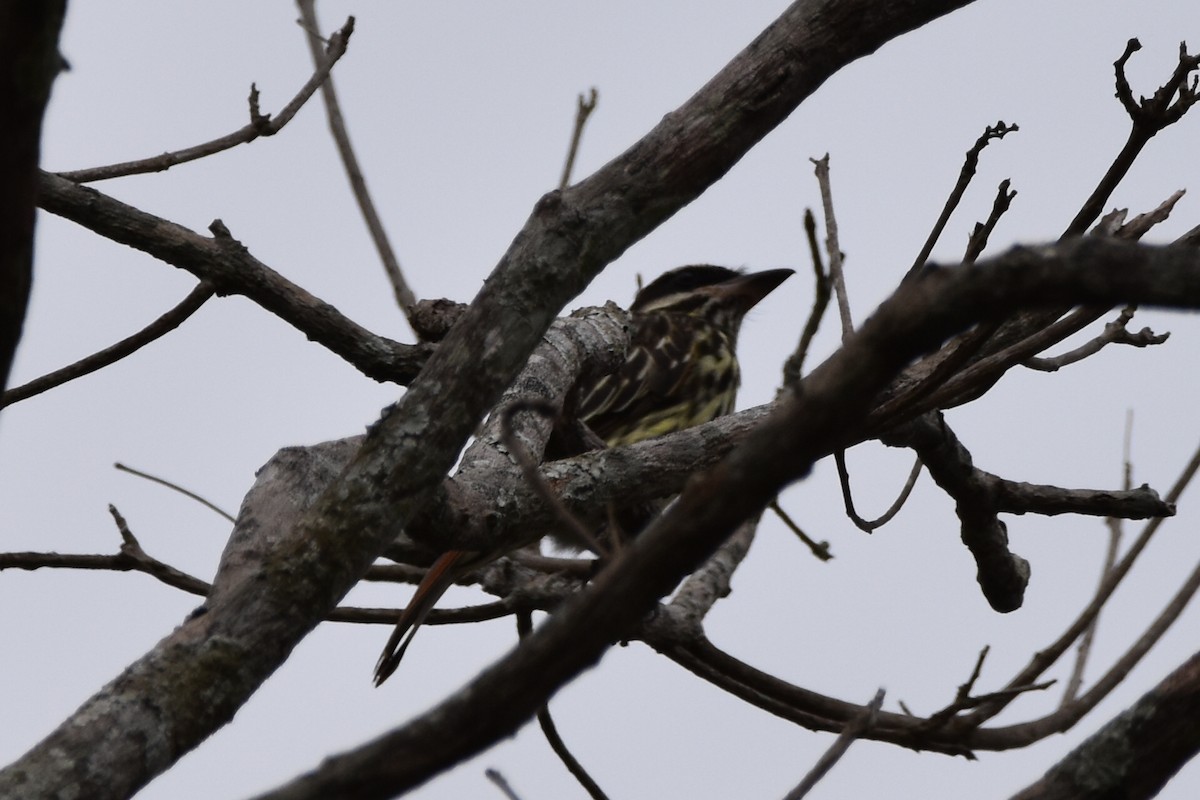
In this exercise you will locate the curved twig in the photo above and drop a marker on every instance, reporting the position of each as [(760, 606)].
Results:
[(868, 526)]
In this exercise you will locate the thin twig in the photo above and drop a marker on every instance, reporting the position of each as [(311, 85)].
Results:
[(794, 366), (132, 558), (982, 232), (529, 469), (1114, 332), (496, 777), (964, 691), (110, 355), (550, 730), (867, 526), (1149, 116), (260, 125), (1068, 715), (963, 699), (176, 487), (970, 164), (853, 730), (819, 549), (405, 296), (583, 110), (836, 275), (1005, 695), (1115, 527), (1044, 658)]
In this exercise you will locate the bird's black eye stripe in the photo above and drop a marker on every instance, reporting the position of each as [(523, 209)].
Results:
[(681, 281)]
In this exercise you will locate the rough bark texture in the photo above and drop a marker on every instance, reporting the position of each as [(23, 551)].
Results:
[(193, 681), (1134, 755), (828, 405)]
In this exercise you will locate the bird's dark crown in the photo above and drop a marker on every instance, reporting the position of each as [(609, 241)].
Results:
[(680, 281)]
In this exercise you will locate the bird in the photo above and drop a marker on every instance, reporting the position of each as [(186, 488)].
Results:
[(680, 370)]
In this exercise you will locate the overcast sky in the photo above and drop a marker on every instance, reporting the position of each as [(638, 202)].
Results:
[(461, 115)]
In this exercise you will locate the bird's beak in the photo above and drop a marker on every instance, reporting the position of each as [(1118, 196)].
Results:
[(749, 289)]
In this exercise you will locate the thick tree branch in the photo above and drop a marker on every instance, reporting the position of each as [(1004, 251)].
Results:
[(568, 239), (1136, 753), (829, 403)]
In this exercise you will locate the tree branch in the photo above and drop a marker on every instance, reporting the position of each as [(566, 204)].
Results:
[(830, 402), (110, 355), (228, 266), (1136, 753), (259, 125), (323, 58)]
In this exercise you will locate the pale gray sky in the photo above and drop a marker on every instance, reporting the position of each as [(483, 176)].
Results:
[(461, 115)]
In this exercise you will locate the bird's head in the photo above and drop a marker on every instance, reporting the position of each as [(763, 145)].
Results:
[(718, 294)]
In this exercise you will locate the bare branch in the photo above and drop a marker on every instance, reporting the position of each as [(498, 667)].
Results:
[(947, 382), (836, 276), (579, 533), (1140, 749), (682, 618), (501, 783), (176, 487), (854, 729), (323, 59), (819, 549), (1140, 225), (1148, 117), (1115, 534), (833, 399), (970, 164), (228, 266), (132, 558), (29, 63), (793, 367), (1002, 574), (110, 355), (1047, 656), (1114, 332), (432, 319), (259, 125), (801, 706), (553, 738), (867, 526), (583, 110), (982, 232)]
